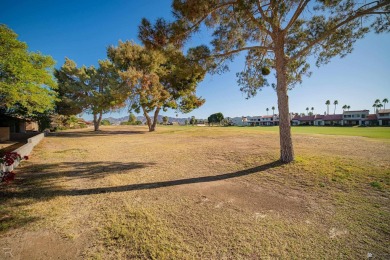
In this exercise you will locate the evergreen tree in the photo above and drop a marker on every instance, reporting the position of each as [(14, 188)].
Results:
[(280, 36), (89, 89)]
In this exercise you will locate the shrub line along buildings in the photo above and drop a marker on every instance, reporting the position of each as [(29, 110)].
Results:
[(347, 118)]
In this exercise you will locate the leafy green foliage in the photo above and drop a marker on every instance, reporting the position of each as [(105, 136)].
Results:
[(132, 118), (26, 82), (89, 89), (215, 118), (158, 75), (165, 120), (193, 120), (105, 122)]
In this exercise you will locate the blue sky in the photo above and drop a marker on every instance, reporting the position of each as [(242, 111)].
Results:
[(81, 31)]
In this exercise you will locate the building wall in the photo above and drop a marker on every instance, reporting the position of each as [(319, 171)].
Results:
[(32, 126), (4, 134), (237, 121)]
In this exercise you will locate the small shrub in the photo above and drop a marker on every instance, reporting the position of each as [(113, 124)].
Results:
[(376, 184)]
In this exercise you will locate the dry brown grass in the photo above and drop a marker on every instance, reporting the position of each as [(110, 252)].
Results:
[(188, 192)]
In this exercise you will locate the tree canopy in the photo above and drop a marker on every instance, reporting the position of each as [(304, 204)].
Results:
[(215, 118), (280, 36), (158, 75), (26, 81), (89, 89)]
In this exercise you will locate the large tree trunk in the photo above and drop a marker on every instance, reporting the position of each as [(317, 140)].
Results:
[(286, 145), (155, 118), (151, 125), (148, 120), (97, 120)]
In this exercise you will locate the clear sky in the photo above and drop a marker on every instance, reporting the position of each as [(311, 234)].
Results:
[(81, 31)]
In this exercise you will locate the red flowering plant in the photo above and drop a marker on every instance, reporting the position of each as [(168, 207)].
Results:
[(9, 159)]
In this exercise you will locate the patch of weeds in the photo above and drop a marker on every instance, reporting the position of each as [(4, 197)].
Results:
[(137, 234), (10, 219), (377, 185)]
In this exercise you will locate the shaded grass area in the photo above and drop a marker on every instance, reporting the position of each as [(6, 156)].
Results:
[(203, 193)]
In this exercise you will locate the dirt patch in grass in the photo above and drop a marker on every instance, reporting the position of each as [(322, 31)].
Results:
[(188, 192)]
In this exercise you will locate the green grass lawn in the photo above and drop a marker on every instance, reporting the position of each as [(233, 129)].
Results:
[(371, 132)]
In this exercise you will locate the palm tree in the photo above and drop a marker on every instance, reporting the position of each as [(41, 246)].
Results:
[(327, 103), (312, 110), (348, 107), (375, 106), (335, 103), (273, 110), (307, 109), (267, 110), (345, 107), (385, 100)]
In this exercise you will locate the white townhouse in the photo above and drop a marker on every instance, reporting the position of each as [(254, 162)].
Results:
[(347, 118), (253, 120), (267, 120), (357, 117), (383, 116)]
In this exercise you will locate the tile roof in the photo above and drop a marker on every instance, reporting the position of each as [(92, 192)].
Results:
[(333, 117), (307, 118), (383, 111), (372, 117), (319, 117), (354, 111)]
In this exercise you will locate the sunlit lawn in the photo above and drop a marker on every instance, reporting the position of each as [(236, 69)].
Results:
[(201, 193), (371, 132)]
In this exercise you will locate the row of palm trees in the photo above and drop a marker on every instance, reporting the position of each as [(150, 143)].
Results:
[(273, 110), (377, 104), (335, 103), (346, 107)]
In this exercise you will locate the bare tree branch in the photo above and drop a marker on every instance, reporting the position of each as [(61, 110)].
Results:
[(255, 21), (260, 8), (197, 23), (298, 11), (263, 48)]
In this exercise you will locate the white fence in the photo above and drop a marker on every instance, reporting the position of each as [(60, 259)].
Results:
[(24, 150)]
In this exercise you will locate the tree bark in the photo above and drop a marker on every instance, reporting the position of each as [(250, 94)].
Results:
[(97, 120), (286, 145), (148, 120), (155, 118)]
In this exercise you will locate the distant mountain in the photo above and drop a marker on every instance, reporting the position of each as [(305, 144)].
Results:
[(117, 121)]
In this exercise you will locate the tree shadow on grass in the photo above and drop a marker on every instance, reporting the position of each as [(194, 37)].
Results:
[(37, 182), (11, 217), (99, 169)]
